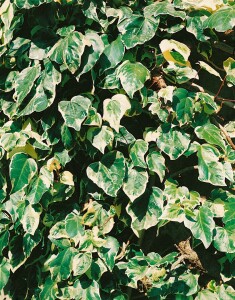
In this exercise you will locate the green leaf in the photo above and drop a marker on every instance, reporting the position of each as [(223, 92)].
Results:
[(61, 264), (208, 103), (221, 20), (3, 188), (184, 111), (92, 54), (67, 51), (206, 295), (109, 173), (211, 134), (146, 210), (87, 289), (30, 242), (37, 189), (132, 76), (209, 167), (100, 137), (4, 239), (173, 142), (137, 30), (229, 208), (112, 55), (30, 219), (49, 289), (208, 68), (109, 251), (135, 182), (173, 212), (29, 4), (74, 227), (156, 163), (81, 263), (75, 111), (24, 82), (137, 153), (4, 272), (22, 170), (202, 226), (224, 240), (114, 109), (163, 8)]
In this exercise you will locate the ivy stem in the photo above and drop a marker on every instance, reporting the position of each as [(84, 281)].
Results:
[(224, 131), (191, 168), (220, 88)]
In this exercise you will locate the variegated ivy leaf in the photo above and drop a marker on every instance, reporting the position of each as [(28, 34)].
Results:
[(49, 289), (137, 153), (146, 210), (114, 109), (75, 111), (30, 219), (68, 50), (173, 142), (5, 268), (108, 174), (156, 163), (87, 288), (109, 251), (92, 54), (224, 240), (163, 8), (166, 93), (81, 263), (132, 76), (211, 134), (184, 110), (135, 182), (100, 138), (210, 168), (208, 68), (137, 30), (22, 170), (175, 52), (24, 82), (222, 20), (27, 4), (202, 225)]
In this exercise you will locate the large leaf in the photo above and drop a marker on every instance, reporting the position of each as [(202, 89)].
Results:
[(49, 289), (137, 30), (146, 210), (75, 111), (229, 66), (114, 109), (109, 173), (22, 170), (132, 76), (173, 142), (109, 251), (100, 137), (156, 163), (184, 111), (4, 272), (25, 81), (30, 219), (137, 153), (224, 240), (135, 182), (221, 20), (163, 8), (202, 226), (211, 134), (68, 51), (209, 167), (87, 289)]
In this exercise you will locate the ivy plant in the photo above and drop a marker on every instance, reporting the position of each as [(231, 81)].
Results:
[(117, 149)]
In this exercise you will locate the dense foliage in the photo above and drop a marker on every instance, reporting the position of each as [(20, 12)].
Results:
[(116, 149)]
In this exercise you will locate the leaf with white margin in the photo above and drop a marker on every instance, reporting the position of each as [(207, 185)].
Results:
[(211, 134), (81, 263), (24, 82), (22, 170), (68, 51), (137, 153), (173, 142), (222, 20), (163, 8), (66, 177), (74, 112), (167, 93), (156, 163), (114, 109), (175, 52), (209, 69), (5, 268), (210, 169), (224, 240), (146, 210), (109, 251), (137, 30), (135, 182), (202, 225), (109, 173), (132, 76), (30, 219), (100, 138)]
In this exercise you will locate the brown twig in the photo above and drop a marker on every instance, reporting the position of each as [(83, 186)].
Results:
[(224, 131)]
